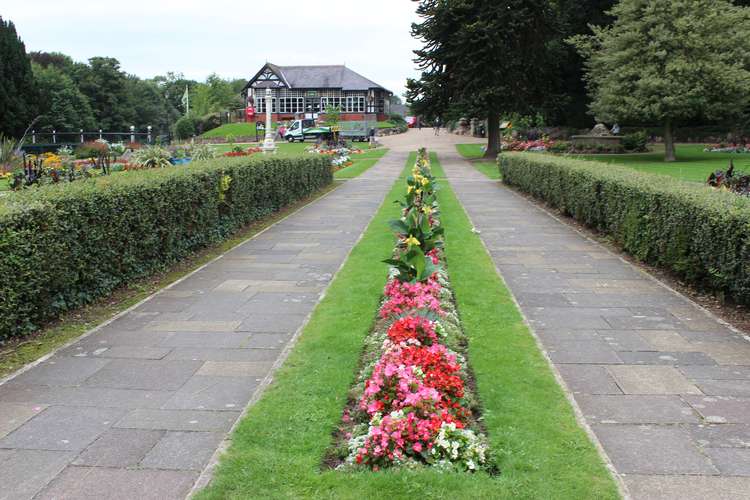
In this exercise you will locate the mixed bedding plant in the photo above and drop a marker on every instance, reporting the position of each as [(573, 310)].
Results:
[(411, 404)]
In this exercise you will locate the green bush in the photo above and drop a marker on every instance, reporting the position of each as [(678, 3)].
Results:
[(208, 122), (63, 246), (701, 234), (635, 142), (185, 127)]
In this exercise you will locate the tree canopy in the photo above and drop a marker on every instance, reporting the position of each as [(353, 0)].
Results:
[(669, 61), (484, 59), (18, 96)]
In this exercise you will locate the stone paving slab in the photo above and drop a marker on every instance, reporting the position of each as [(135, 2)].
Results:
[(664, 386), (137, 408)]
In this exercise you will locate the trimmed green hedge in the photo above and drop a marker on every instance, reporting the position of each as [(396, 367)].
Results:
[(700, 234), (63, 246)]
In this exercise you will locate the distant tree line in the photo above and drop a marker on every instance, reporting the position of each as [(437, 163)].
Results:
[(70, 95)]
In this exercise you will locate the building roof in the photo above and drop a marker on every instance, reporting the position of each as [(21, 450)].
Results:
[(317, 77)]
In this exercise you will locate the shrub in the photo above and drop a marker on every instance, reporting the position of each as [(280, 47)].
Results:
[(151, 157), (92, 149), (208, 122), (559, 147), (65, 245), (185, 127), (701, 234), (635, 142)]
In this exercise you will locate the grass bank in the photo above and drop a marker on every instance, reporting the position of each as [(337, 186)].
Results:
[(277, 449)]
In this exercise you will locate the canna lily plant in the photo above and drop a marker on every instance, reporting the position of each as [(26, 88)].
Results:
[(418, 230)]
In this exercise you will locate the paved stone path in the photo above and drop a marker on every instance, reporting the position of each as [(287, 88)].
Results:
[(664, 386), (138, 408)]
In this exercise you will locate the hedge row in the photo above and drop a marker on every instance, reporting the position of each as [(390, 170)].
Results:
[(63, 246), (700, 234)]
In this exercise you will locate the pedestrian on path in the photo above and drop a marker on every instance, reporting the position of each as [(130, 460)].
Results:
[(437, 126)]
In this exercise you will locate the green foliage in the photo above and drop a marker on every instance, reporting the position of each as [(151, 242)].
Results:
[(151, 157), (185, 127), (208, 122), (8, 153), (202, 152), (701, 234), (483, 59), (417, 236), (635, 142), (65, 245), (18, 96), (63, 106), (105, 85), (213, 96), (669, 61)]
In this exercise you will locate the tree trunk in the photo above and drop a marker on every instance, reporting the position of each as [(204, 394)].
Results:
[(669, 154), (493, 136)]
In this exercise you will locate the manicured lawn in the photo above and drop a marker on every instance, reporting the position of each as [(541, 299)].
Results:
[(386, 124), (474, 153), (693, 164), (277, 449), (235, 129), (362, 162)]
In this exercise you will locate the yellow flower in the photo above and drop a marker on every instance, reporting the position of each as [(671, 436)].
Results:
[(427, 210), (418, 191), (409, 189), (425, 181), (411, 241)]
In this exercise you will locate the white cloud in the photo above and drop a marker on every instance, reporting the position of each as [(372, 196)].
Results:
[(231, 38)]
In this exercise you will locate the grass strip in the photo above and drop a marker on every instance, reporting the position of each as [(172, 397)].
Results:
[(539, 447), (277, 450), (474, 153), (17, 352)]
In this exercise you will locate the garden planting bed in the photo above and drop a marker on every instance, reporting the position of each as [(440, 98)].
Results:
[(412, 403), (283, 446)]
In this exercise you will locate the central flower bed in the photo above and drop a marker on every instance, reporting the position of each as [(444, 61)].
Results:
[(411, 404)]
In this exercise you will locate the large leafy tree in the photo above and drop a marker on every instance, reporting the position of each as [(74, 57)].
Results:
[(106, 87), (62, 106), (18, 95), (484, 59), (576, 18), (669, 61)]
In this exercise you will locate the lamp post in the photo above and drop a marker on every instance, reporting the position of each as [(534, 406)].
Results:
[(269, 146)]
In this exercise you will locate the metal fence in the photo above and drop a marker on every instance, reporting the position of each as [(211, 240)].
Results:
[(39, 142)]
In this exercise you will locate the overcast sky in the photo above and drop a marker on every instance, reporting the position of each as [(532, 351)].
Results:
[(231, 38)]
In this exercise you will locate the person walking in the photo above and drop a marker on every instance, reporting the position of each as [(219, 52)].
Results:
[(436, 126), (419, 123)]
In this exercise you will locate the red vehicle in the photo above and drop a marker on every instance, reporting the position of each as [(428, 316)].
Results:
[(411, 121)]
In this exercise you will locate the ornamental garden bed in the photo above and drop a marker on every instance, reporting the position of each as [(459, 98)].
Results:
[(412, 403), (278, 449)]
